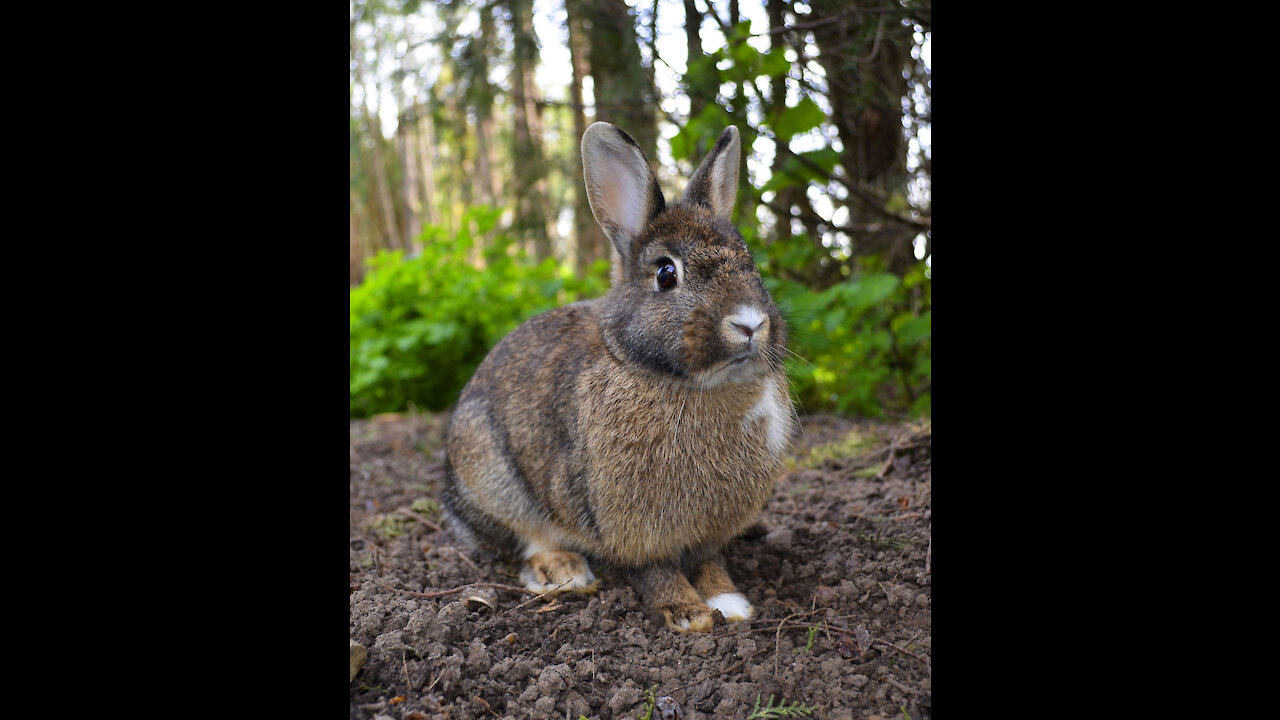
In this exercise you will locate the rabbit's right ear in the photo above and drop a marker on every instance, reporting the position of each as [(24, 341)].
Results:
[(621, 188)]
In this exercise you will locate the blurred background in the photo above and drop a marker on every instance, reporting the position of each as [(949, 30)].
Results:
[(468, 212)]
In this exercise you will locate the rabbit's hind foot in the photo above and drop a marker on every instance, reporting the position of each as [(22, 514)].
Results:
[(734, 606)]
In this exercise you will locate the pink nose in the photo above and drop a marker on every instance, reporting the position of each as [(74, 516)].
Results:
[(748, 331)]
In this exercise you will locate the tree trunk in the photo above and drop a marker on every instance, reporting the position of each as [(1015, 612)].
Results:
[(480, 94), (694, 86), (790, 195), (621, 84), (528, 160), (590, 240), (378, 169), (424, 158), (864, 55), (407, 142)]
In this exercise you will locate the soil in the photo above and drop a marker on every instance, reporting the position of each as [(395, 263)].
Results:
[(839, 573)]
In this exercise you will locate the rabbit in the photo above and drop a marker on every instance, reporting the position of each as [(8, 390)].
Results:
[(642, 429)]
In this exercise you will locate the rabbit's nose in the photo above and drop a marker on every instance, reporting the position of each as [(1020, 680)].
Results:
[(745, 322)]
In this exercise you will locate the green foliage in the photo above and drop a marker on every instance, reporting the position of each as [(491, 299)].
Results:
[(791, 121), (813, 635), (420, 326), (700, 133), (780, 710), (806, 167), (860, 346), (388, 527), (649, 703)]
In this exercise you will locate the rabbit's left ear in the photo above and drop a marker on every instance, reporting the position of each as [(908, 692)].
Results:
[(714, 185), (621, 188)]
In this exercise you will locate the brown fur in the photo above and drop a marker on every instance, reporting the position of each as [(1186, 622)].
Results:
[(644, 428)]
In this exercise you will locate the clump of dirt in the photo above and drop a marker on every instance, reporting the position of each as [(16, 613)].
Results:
[(839, 575)]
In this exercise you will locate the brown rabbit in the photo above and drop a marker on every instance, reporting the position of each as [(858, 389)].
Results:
[(642, 429)]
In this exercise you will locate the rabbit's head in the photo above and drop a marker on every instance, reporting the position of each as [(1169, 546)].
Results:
[(686, 298)]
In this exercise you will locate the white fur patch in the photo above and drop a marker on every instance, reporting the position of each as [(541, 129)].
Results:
[(733, 606), (775, 416)]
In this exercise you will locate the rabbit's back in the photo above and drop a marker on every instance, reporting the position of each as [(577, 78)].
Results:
[(507, 469)]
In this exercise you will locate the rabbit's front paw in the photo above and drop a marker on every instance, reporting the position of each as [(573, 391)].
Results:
[(553, 571), (689, 618)]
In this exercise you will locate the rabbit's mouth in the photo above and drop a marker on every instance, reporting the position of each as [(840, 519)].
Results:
[(746, 354), (743, 366)]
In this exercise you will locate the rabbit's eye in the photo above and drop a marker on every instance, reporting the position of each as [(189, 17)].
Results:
[(667, 276)]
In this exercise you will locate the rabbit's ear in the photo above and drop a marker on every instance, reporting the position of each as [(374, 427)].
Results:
[(621, 188), (714, 185)]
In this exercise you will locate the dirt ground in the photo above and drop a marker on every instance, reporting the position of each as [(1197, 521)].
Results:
[(839, 574)]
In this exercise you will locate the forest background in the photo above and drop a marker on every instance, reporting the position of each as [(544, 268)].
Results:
[(468, 213)]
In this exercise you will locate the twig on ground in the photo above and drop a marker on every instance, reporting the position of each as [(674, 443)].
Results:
[(497, 586), (904, 689), (465, 559), (777, 638), (886, 643), (415, 516), (893, 447), (537, 595)]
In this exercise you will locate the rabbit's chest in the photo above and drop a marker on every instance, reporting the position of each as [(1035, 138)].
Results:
[(674, 468)]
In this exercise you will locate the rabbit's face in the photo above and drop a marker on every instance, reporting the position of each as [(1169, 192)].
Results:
[(693, 304), (686, 298)]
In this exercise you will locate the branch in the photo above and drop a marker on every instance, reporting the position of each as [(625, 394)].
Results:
[(873, 201)]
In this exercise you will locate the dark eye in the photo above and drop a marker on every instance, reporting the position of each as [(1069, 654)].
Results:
[(667, 275)]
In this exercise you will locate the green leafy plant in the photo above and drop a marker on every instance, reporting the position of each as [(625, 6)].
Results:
[(420, 326), (388, 527), (780, 710), (813, 635), (860, 346), (650, 701)]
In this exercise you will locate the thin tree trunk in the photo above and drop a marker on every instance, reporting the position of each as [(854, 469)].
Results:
[(693, 38), (786, 197), (590, 240), (487, 175), (378, 169), (621, 84), (357, 252), (530, 165), (406, 144), (864, 56), (423, 156)]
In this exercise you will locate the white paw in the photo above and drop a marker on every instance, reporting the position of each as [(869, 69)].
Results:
[(733, 606)]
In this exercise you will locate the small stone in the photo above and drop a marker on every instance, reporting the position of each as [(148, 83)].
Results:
[(668, 708), (358, 655), (779, 538), (825, 595), (624, 698), (551, 681)]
